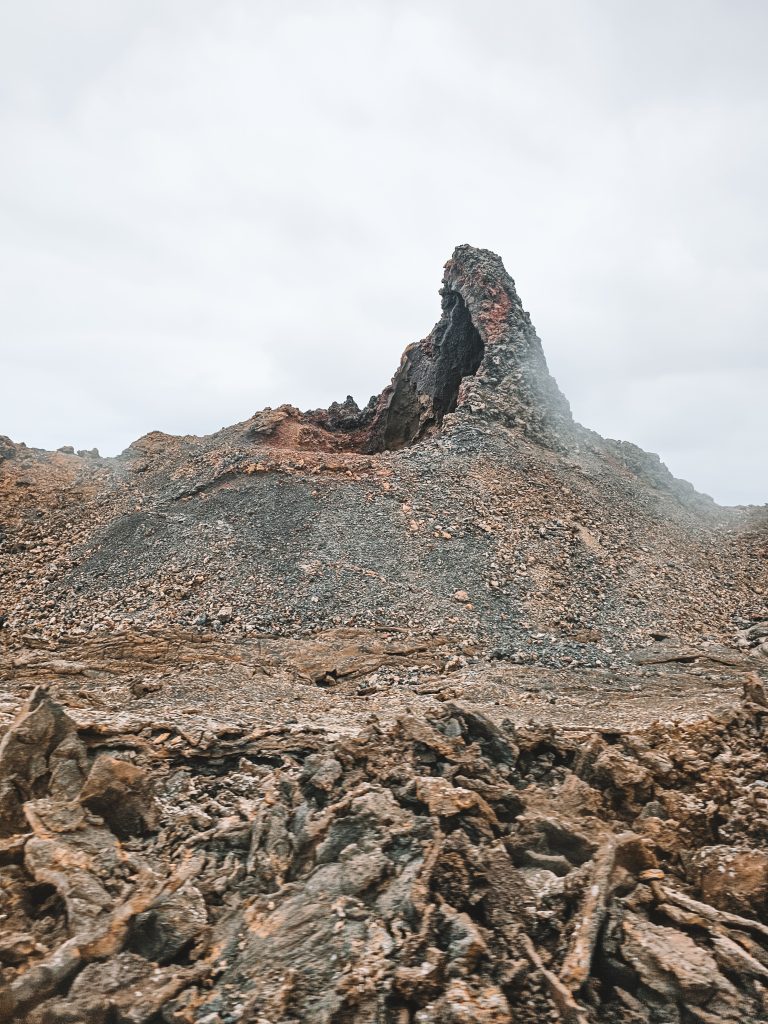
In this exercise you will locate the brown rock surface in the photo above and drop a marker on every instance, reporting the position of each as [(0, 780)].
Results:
[(427, 712), (440, 867), (734, 879), (123, 794)]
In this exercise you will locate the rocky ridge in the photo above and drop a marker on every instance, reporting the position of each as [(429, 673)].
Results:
[(445, 709)]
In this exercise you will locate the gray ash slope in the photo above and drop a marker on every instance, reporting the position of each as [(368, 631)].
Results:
[(464, 499), (221, 805)]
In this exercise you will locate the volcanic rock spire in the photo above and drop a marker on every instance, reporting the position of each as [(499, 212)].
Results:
[(483, 356)]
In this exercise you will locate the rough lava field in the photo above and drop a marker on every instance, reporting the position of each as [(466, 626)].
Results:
[(442, 711)]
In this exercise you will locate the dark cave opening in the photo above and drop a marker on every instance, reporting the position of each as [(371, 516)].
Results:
[(458, 354), (427, 386)]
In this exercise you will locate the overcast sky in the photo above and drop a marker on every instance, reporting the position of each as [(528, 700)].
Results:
[(210, 207)]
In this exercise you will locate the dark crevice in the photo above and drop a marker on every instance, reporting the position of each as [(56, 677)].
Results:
[(458, 354), (43, 900), (426, 387)]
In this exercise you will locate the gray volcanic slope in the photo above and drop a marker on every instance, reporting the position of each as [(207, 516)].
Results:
[(463, 499)]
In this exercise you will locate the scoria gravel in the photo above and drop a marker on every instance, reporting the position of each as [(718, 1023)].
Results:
[(442, 710)]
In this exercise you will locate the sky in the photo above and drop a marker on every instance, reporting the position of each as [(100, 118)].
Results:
[(210, 207)]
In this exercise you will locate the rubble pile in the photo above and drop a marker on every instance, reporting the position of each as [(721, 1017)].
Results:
[(444, 869), (422, 713)]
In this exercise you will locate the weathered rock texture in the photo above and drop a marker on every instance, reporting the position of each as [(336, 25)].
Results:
[(426, 712), (482, 356), (438, 869)]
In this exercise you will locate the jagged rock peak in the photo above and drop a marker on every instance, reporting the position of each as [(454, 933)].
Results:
[(482, 360), (482, 357)]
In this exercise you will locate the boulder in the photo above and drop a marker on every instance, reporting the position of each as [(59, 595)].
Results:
[(123, 794), (733, 878)]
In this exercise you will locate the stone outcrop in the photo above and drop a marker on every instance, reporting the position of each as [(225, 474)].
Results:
[(483, 356)]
